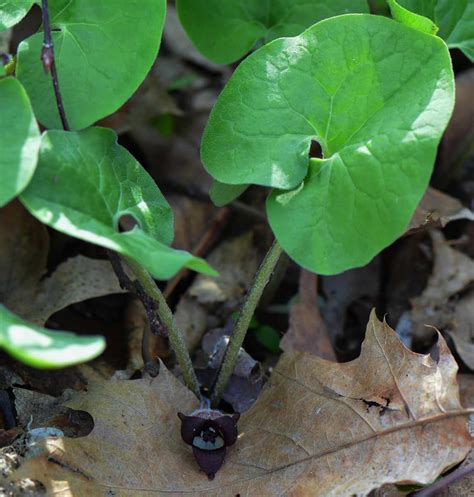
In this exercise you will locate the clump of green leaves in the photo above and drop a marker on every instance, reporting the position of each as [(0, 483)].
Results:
[(82, 183), (376, 95)]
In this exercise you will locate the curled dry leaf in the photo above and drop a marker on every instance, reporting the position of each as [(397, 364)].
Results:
[(436, 210), (462, 329), (318, 429), (453, 272), (24, 246)]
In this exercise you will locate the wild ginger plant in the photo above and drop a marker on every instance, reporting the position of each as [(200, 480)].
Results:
[(375, 93)]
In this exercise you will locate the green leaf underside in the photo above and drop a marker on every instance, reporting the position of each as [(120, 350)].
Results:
[(85, 183), (221, 194), (355, 84), (409, 18), (41, 348), (13, 11), (19, 140), (455, 19), (226, 30), (103, 51)]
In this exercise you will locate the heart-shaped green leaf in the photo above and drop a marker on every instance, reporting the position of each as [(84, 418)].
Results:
[(42, 348), (103, 51), (358, 85), (13, 11), (226, 30), (85, 182), (455, 19), (19, 139)]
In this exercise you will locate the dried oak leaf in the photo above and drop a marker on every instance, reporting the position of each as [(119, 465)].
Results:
[(318, 429), (24, 246)]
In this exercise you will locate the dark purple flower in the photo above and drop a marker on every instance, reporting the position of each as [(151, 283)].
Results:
[(209, 433)]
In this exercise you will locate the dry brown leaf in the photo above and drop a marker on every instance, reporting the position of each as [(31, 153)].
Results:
[(24, 245), (436, 210), (75, 280), (465, 486), (453, 272), (462, 329), (307, 331), (237, 261), (318, 429)]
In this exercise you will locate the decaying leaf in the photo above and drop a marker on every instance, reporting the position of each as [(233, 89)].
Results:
[(452, 273), (436, 210), (318, 429), (24, 245)]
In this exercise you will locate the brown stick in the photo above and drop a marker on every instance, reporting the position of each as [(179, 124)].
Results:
[(201, 249)]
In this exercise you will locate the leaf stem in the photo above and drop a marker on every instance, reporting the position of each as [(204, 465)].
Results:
[(243, 321), (178, 343), (49, 63)]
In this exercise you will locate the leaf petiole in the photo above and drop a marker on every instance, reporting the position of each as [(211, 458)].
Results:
[(237, 337)]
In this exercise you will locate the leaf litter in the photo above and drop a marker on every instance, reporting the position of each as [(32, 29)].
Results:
[(319, 428)]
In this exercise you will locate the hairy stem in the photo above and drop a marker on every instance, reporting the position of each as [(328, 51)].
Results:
[(49, 63), (165, 315), (241, 326)]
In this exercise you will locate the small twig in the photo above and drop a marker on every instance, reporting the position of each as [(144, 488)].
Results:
[(241, 326), (49, 62), (178, 343), (445, 482), (219, 221)]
